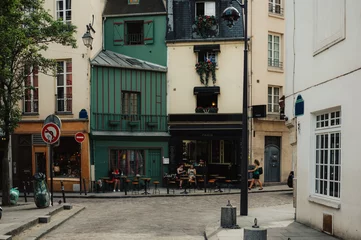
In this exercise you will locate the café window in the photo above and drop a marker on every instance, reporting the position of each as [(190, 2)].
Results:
[(207, 101), (67, 158), (129, 162)]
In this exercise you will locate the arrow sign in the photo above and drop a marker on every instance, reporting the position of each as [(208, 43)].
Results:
[(50, 133), (79, 137)]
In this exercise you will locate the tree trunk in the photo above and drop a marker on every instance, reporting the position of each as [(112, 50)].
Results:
[(5, 175)]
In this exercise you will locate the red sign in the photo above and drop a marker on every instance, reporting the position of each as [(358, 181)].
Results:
[(79, 137), (50, 133)]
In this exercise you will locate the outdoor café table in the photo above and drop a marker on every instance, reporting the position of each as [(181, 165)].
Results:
[(146, 180), (220, 178), (124, 179), (185, 182)]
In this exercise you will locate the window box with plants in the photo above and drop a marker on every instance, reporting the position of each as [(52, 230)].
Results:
[(205, 69), (205, 26), (206, 110)]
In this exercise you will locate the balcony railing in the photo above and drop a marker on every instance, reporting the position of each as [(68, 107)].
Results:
[(275, 63), (129, 122), (277, 10), (64, 103), (134, 38)]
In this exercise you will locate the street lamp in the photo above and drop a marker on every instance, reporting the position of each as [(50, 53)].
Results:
[(87, 37), (231, 14)]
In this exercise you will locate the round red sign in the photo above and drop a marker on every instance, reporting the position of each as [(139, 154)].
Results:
[(50, 133), (79, 137)]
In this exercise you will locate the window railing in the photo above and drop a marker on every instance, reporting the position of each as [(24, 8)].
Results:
[(277, 10), (64, 103), (275, 63), (131, 122), (134, 38)]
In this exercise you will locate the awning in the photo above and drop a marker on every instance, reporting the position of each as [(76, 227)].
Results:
[(209, 48), (207, 90)]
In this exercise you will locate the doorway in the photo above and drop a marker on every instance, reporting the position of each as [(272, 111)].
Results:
[(272, 157), (154, 164), (40, 162)]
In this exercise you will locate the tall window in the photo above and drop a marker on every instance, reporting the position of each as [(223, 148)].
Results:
[(31, 98), (64, 81), (328, 154), (130, 105), (274, 6), (130, 162), (205, 9), (273, 99), (63, 10), (274, 44)]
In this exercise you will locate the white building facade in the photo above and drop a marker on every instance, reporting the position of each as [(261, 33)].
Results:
[(323, 67)]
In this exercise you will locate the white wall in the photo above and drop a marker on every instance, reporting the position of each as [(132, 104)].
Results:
[(326, 80)]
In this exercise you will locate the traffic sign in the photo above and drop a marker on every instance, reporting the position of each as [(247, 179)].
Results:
[(50, 133), (53, 119), (79, 137)]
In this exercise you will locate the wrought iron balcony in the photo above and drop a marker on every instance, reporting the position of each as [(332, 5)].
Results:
[(275, 63), (277, 10), (129, 122)]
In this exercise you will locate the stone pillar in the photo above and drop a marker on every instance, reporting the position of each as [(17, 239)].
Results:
[(251, 233), (228, 216)]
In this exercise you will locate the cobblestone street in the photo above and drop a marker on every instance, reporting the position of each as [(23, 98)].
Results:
[(154, 217)]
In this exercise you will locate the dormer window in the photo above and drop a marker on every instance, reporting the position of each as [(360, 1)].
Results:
[(205, 9)]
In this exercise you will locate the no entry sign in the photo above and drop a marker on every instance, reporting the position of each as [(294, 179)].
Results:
[(79, 137), (50, 133)]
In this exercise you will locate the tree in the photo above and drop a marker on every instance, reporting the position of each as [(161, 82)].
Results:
[(26, 30)]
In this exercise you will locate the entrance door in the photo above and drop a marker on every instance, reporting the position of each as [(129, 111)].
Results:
[(272, 159), (154, 164), (40, 162)]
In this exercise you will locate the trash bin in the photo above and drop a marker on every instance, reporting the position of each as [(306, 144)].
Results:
[(41, 192), (14, 196)]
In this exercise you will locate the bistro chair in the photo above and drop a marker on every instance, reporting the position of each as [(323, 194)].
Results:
[(135, 186), (156, 189), (212, 185)]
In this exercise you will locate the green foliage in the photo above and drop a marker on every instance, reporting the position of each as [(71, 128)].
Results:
[(204, 24), (26, 30), (204, 69)]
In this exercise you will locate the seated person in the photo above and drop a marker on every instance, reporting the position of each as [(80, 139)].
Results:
[(116, 178), (192, 173), (180, 171)]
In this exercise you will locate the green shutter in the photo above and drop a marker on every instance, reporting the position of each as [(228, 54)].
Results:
[(118, 33), (148, 32)]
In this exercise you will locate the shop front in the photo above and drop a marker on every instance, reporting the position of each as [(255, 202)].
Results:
[(70, 158), (214, 138)]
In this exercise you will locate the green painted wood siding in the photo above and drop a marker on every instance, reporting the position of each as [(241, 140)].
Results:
[(153, 48), (107, 85)]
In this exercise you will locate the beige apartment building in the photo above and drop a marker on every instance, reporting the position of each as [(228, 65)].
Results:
[(205, 119), (67, 96)]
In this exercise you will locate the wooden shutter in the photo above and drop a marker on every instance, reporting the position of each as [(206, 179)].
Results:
[(118, 33), (148, 32)]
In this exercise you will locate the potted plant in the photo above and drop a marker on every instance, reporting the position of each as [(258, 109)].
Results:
[(212, 110), (204, 69), (199, 110), (205, 26)]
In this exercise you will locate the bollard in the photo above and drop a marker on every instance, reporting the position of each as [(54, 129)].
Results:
[(62, 191), (84, 184), (26, 199), (228, 216), (255, 232)]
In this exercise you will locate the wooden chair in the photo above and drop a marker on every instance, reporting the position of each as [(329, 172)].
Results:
[(156, 189)]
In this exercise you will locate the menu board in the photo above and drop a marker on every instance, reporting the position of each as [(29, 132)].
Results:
[(215, 151)]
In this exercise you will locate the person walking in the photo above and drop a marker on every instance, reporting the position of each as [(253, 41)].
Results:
[(256, 172)]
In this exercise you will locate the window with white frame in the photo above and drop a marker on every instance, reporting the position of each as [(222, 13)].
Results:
[(327, 178), (274, 6), (203, 56), (274, 50), (31, 97), (205, 9), (274, 99), (63, 10), (64, 82)]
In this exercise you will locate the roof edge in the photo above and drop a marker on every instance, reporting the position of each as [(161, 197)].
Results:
[(135, 14)]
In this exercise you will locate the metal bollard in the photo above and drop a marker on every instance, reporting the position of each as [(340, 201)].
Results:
[(26, 199), (255, 232), (84, 184), (62, 191), (228, 216)]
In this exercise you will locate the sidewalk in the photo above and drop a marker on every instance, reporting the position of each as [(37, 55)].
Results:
[(278, 220), (162, 193)]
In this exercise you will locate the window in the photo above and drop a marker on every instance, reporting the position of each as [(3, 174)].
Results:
[(64, 97), (328, 154), (274, 6), (207, 103), (135, 33), (273, 99), (130, 162), (31, 98), (274, 43), (63, 10), (205, 9), (130, 105), (67, 158), (205, 55)]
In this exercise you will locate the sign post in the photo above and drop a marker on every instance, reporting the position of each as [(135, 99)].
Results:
[(80, 137), (50, 135)]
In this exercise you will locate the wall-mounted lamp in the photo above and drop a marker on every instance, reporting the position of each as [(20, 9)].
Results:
[(87, 37)]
